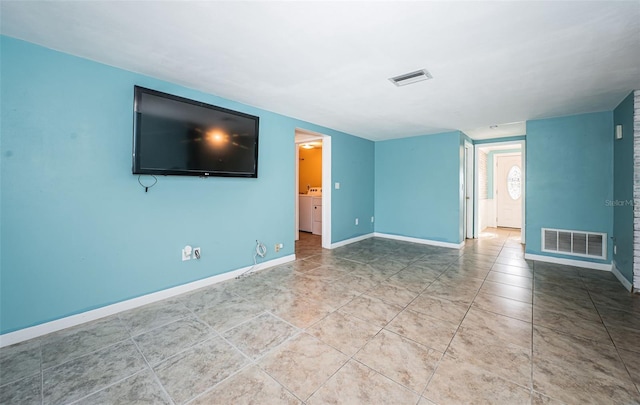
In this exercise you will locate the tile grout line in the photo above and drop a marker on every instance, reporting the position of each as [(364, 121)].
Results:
[(531, 390), (299, 332), (251, 362), (591, 341), (118, 381), (130, 331), (34, 374), (435, 370), (533, 286), (155, 376), (470, 306), (94, 351), (352, 357), (328, 378), (75, 401), (611, 338), (41, 373)]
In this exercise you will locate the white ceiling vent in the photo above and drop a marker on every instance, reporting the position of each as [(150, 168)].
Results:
[(412, 77)]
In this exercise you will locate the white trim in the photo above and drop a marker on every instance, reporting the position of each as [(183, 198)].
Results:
[(398, 237), (620, 277), (508, 154), (421, 241), (523, 173), (327, 189), (569, 262), (92, 315), (494, 197), (352, 240), (476, 196), (296, 196)]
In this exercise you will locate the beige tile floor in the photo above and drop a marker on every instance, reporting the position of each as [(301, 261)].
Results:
[(375, 322)]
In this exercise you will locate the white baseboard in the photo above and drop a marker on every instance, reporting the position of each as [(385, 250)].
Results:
[(620, 277), (569, 262), (352, 240), (88, 316), (421, 241)]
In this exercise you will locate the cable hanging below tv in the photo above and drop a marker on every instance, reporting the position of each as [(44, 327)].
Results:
[(177, 136)]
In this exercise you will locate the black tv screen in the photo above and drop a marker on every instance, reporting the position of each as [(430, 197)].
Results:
[(178, 136)]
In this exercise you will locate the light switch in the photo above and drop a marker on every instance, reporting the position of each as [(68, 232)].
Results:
[(337, 186)]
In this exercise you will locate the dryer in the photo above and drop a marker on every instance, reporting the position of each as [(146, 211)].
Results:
[(316, 227), (306, 213), (310, 206)]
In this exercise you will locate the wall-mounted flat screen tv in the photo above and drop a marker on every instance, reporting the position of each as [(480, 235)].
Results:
[(178, 136)]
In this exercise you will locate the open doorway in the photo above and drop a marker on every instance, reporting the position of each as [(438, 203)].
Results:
[(500, 185), (312, 216), (508, 190)]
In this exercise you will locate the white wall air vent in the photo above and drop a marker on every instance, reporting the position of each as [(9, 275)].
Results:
[(411, 77), (575, 243)]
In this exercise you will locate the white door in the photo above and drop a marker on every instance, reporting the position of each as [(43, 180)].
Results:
[(509, 191)]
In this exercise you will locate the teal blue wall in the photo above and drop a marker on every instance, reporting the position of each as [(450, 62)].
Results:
[(78, 232), (352, 167), (622, 204), (490, 159), (417, 187), (569, 171)]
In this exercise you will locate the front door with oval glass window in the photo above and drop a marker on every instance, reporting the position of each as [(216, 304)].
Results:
[(509, 191)]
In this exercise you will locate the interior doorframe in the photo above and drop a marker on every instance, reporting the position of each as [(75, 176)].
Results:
[(296, 197), (326, 183), (469, 190), (523, 154), (326, 192)]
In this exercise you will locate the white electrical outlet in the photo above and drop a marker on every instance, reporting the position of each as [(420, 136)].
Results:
[(371, 219), (337, 186), (278, 247), (356, 221), (196, 253), (186, 253)]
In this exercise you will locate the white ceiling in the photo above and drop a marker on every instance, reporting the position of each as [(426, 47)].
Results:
[(498, 131), (328, 62)]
